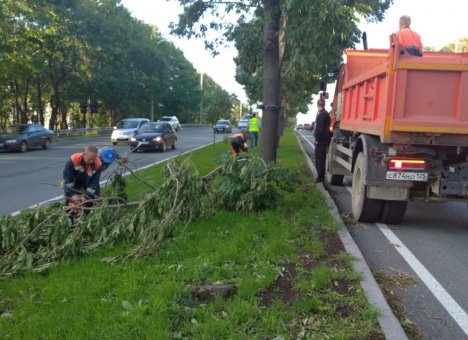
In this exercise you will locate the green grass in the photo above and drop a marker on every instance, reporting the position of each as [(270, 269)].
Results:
[(152, 298)]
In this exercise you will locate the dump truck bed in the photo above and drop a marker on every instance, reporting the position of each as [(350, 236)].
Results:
[(405, 99)]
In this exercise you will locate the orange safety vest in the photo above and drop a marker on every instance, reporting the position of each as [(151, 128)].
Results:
[(77, 160), (407, 37), (236, 135)]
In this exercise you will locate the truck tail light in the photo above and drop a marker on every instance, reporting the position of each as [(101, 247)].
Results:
[(407, 164)]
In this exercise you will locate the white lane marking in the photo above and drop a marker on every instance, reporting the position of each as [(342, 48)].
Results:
[(125, 174), (445, 299), (307, 140)]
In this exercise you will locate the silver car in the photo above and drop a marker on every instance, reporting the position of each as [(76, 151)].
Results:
[(243, 124), (126, 129), (171, 120)]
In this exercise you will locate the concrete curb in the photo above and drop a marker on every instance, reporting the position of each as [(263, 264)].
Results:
[(389, 324)]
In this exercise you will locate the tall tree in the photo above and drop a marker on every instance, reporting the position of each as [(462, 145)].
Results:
[(307, 43), (56, 55)]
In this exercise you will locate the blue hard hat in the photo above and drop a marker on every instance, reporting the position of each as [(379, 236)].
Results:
[(107, 155)]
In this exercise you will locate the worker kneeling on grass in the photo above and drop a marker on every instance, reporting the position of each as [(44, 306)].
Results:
[(82, 175), (239, 143)]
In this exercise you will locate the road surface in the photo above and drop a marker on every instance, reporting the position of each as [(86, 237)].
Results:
[(33, 177), (431, 245)]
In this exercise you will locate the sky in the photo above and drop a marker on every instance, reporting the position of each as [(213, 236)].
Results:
[(438, 22)]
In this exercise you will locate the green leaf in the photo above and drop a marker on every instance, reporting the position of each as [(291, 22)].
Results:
[(127, 305)]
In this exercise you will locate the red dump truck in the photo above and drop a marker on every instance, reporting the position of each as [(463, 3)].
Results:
[(400, 128)]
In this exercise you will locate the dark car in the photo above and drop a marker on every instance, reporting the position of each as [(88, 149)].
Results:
[(222, 125), (25, 136), (154, 136)]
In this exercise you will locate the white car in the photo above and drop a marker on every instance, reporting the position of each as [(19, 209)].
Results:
[(126, 129), (243, 124), (171, 120)]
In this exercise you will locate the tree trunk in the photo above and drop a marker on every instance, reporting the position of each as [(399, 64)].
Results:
[(24, 112), (40, 104), (55, 99), (271, 80), (63, 123), (54, 114), (17, 119)]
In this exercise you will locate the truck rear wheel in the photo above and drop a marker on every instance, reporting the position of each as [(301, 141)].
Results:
[(393, 212), (364, 209)]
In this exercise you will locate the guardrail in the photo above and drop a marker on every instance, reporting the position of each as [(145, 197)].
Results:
[(80, 131), (196, 125), (101, 129)]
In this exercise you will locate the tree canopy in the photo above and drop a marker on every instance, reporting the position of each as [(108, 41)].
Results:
[(310, 38), (63, 59)]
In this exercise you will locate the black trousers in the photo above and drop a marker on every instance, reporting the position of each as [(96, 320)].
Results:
[(321, 157)]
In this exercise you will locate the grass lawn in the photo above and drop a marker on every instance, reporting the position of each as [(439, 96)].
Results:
[(294, 279)]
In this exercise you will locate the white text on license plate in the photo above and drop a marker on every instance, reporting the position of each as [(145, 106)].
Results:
[(407, 176)]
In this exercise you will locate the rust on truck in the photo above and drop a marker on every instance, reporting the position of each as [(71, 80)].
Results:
[(401, 98)]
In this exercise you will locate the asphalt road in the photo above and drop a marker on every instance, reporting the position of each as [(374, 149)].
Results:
[(436, 235), (33, 177)]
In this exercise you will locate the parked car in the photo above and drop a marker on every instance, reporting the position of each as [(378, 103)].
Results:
[(307, 126), (243, 124), (126, 129), (300, 127), (25, 136), (171, 120), (154, 136), (222, 125)]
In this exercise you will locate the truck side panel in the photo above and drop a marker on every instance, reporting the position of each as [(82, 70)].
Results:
[(391, 95), (431, 101)]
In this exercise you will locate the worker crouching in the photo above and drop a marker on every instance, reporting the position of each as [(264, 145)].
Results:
[(82, 175), (239, 143)]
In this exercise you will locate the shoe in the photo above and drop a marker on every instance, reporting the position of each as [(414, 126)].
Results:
[(318, 180)]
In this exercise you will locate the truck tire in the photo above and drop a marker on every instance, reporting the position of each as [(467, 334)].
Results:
[(364, 209), (393, 212)]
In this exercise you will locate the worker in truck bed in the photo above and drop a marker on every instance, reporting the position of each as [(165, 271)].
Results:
[(409, 40), (322, 139)]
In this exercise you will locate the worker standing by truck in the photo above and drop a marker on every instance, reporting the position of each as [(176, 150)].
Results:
[(409, 40), (322, 139)]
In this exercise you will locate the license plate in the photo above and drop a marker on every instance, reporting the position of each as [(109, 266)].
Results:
[(144, 143), (407, 176), (219, 130)]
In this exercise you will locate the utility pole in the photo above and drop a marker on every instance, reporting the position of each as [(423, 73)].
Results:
[(201, 98), (152, 109)]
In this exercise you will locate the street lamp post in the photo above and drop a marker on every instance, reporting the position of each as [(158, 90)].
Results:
[(240, 111), (201, 98)]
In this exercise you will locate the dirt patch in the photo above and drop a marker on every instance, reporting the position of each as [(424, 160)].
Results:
[(331, 240), (307, 261), (282, 289)]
